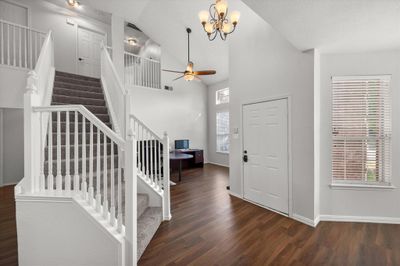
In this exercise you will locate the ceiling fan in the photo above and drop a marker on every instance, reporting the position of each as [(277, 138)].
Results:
[(189, 74)]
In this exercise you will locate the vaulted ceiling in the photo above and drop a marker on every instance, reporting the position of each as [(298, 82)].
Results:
[(334, 26)]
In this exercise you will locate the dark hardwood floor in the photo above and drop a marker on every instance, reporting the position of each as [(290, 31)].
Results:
[(209, 227), (8, 229)]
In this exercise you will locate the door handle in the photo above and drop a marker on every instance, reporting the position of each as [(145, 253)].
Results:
[(80, 59), (245, 158)]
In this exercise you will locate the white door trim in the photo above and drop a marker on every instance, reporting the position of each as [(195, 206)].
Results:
[(289, 114), (77, 42)]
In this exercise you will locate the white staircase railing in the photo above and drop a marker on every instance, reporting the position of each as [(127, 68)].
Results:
[(143, 72), (117, 97), (20, 46), (153, 161)]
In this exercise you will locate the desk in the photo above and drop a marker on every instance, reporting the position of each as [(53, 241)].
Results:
[(178, 156)]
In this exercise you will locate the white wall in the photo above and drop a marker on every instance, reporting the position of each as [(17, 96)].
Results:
[(12, 87), (60, 232), (262, 64), (12, 146), (213, 155), (46, 16), (181, 112), (361, 202)]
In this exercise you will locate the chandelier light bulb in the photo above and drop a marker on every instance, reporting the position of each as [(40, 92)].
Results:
[(209, 28), (203, 16), (235, 16), (221, 7), (227, 27)]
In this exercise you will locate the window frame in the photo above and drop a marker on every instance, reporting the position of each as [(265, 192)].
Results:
[(217, 103), (387, 138), (217, 134)]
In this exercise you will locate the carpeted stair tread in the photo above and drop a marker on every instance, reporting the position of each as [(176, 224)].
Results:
[(71, 99), (77, 93), (77, 81), (142, 203), (92, 108), (77, 87), (147, 226), (76, 76)]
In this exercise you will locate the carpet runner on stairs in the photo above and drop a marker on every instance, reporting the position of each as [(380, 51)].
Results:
[(88, 91)]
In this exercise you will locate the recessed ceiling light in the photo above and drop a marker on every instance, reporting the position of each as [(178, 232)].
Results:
[(73, 3), (131, 41)]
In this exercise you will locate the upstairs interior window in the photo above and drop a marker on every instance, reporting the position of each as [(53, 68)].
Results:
[(361, 130), (222, 96)]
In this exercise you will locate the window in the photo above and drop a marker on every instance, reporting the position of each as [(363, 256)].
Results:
[(223, 132), (222, 96), (361, 130)]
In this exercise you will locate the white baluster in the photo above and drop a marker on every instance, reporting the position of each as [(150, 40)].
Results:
[(42, 181), (98, 194), (151, 159), (119, 194), (14, 48), (50, 178), (26, 48), (20, 46), (105, 185), (84, 181), (91, 165), (142, 155), (8, 44), (2, 43), (30, 49), (76, 155), (159, 165), (67, 154), (58, 176), (166, 194), (147, 157), (112, 196)]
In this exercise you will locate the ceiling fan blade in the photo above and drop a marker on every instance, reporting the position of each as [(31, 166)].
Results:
[(205, 72), (178, 78), (196, 78), (173, 71)]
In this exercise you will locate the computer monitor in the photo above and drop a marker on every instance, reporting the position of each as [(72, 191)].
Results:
[(182, 144)]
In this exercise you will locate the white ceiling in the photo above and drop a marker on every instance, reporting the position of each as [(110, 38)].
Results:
[(334, 25), (165, 22)]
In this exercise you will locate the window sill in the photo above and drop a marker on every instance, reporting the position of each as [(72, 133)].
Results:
[(361, 187), (223, 152)]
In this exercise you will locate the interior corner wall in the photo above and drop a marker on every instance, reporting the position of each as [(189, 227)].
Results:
[(264, 65), (360, 203), (213, 155), (12, 145), (45, 16), (181, 112), (317, 132)]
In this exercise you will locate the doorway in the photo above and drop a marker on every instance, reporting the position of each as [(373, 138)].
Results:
[(89, 52), (265, 154)]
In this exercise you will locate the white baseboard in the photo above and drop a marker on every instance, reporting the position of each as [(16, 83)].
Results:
[(223, 165), (234, 194), (305, 220), (360, 219), (8, 184)]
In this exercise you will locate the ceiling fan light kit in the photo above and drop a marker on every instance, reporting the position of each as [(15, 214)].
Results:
[(215, 21), (189, 74)]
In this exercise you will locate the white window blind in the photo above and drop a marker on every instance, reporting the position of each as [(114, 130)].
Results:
[(222, 132), (222, 96), (361, 130)]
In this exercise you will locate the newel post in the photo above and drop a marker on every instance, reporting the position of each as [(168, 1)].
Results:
[(130, 175), (29, 133), (166, 183)]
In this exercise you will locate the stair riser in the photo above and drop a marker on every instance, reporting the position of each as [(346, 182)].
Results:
[(72, 165), (80, 150), (75, 76), (103, 117), (77, 93), (76, 87), (142, 204), (81, 82), (78, 100)]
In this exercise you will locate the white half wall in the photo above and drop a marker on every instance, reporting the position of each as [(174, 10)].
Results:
[(181, 112), (60, 232), (264, 65), (213, 155), (12, 87), (370, 203)]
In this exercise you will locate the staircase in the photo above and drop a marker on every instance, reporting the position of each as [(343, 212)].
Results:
[(72, 89)]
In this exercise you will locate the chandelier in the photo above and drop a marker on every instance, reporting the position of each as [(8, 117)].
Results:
[(215, 20)]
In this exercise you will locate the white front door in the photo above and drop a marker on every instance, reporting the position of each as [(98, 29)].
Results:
[(89, 52), (265, 143)]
